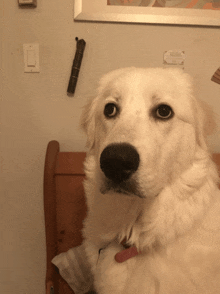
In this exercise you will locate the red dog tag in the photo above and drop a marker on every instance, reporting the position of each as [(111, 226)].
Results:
[(126, 254)]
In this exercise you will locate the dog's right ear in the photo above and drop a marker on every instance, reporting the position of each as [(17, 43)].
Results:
[(205, 122), (87, 122)]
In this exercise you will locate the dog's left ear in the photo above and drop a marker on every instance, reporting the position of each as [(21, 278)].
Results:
[(87, 122), (204, 122)]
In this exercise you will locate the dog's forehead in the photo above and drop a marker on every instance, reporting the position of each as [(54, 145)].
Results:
[(133, 79), (154, 82), (144, 79)]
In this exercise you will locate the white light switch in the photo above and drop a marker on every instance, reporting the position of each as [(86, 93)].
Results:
[(31, 57)]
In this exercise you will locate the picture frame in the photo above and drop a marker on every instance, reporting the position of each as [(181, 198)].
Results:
[(99, 11)]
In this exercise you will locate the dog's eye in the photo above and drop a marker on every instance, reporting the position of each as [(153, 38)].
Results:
[(110, 110), (164, 111)]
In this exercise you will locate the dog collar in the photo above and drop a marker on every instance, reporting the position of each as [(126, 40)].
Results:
[(126, 254)]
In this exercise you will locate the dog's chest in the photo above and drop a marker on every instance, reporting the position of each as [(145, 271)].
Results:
[(191, 264), (195, 270)]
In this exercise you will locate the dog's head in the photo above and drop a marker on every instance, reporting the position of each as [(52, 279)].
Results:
[(143, 129)]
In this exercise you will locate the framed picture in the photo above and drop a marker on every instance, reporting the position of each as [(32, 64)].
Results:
[(177, 12)]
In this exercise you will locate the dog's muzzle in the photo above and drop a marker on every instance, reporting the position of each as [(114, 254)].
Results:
[(119, 161)]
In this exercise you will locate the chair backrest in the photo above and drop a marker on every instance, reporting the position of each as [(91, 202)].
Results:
[(65, 208)]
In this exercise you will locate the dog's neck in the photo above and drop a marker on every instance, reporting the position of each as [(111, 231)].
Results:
[(177, 209)]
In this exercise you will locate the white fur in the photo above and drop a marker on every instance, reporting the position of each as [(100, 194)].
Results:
[(176, 221)]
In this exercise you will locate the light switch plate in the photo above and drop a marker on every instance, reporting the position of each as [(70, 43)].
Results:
[(31, 57)]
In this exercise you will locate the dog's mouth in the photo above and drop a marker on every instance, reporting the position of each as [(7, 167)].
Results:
[(128, 188)]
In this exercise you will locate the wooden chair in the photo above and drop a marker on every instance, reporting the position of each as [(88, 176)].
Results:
[(65, 208)]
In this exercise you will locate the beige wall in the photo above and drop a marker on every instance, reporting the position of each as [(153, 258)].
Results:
[(35, 109)]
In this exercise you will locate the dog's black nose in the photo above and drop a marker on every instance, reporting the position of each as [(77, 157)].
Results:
[(119, 161)]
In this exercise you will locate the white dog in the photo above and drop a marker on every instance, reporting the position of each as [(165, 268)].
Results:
[(150, 180)]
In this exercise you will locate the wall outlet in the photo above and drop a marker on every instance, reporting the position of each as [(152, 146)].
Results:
[(174, 58)]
